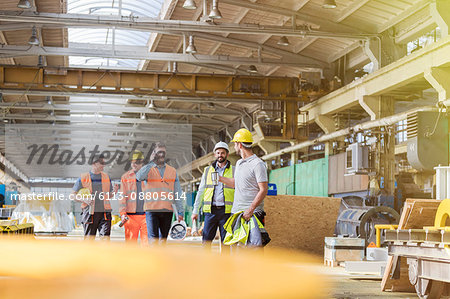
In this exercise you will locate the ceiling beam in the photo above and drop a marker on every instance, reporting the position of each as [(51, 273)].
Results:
[(140, 53), (166, 12), (118, 130), (335, 56), (168, 26), (94, 119), (148, 84), (128, 96), (351, 9), (403, 15), (253, 45), (313, 19), (106, 109)]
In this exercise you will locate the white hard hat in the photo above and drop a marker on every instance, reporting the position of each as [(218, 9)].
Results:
[(221, 144)]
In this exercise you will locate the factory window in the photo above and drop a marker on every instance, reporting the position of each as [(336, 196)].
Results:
[(400, 132), (318, 147), (423, 41), (110, 38)]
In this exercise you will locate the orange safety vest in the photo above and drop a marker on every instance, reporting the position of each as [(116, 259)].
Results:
[(129, 196), (159, 191), (86, 182)]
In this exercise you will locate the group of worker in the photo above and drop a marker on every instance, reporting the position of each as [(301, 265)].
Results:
[(150, 194)]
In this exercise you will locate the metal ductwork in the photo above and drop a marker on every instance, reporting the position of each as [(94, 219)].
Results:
[(427, 140)]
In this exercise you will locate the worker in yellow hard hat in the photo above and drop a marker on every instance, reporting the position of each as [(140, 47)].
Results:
[(250, 180), (132, 198)]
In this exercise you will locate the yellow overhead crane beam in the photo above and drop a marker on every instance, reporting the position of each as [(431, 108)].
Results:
[(146, 84)]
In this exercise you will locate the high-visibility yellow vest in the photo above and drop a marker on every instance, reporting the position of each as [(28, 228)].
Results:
[(208, 194)]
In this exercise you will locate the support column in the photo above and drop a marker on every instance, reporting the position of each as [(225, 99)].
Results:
[(213, 139), (439, 78), (388, 53), (291, 125), (270, 147), (387, 149), (372, 105), (328, 125), (294, 155), (372, 49)]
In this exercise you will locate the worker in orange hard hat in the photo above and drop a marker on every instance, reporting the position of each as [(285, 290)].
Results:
[(132, 198)]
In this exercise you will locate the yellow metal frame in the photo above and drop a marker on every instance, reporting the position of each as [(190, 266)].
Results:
[(152, 83), (442, 215), (379, 227)]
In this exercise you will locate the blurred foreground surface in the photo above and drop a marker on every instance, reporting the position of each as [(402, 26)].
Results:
[(67, 267)]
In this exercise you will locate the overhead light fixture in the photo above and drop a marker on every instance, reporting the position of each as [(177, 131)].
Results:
[(6, 121), (24, 4), (191, 48), (151, 105), (215, 12), (189, 4), (143, 116), (329, 4), (34, 41), (283, 41), (252, 69)]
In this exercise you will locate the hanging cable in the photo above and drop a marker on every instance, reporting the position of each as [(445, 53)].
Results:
[(441, 108)]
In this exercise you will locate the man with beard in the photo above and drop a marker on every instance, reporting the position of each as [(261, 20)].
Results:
[(217, 199), (161, 191), (132, 202)]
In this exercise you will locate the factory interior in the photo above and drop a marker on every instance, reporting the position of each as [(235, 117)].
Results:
[(303, 146)]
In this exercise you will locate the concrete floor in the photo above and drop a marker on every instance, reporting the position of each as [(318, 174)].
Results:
[(344, 285)]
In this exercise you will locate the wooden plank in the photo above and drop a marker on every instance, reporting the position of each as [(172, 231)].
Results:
[(421, 214), (301, 222), (416, 214)]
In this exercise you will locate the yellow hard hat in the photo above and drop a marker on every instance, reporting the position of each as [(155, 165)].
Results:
[(243, 135), (137, 155), (84, 192)]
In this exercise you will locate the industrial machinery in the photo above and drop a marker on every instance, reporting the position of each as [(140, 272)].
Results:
[(356, 220), (427, 254), (356, 159), (427, 140)]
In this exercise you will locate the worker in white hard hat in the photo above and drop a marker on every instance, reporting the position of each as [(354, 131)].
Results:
[(217, 199), (250, 181)]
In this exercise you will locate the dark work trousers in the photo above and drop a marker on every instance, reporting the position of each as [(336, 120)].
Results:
[(158, 222), (100, 222), (215, 219)]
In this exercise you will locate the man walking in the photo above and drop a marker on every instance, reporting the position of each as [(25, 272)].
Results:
[(250, 180), (216, 198), (95, 210), (162, 190), (132, 202)]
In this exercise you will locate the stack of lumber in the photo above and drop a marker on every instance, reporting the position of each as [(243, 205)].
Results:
[(300, 222), (416, 214)]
